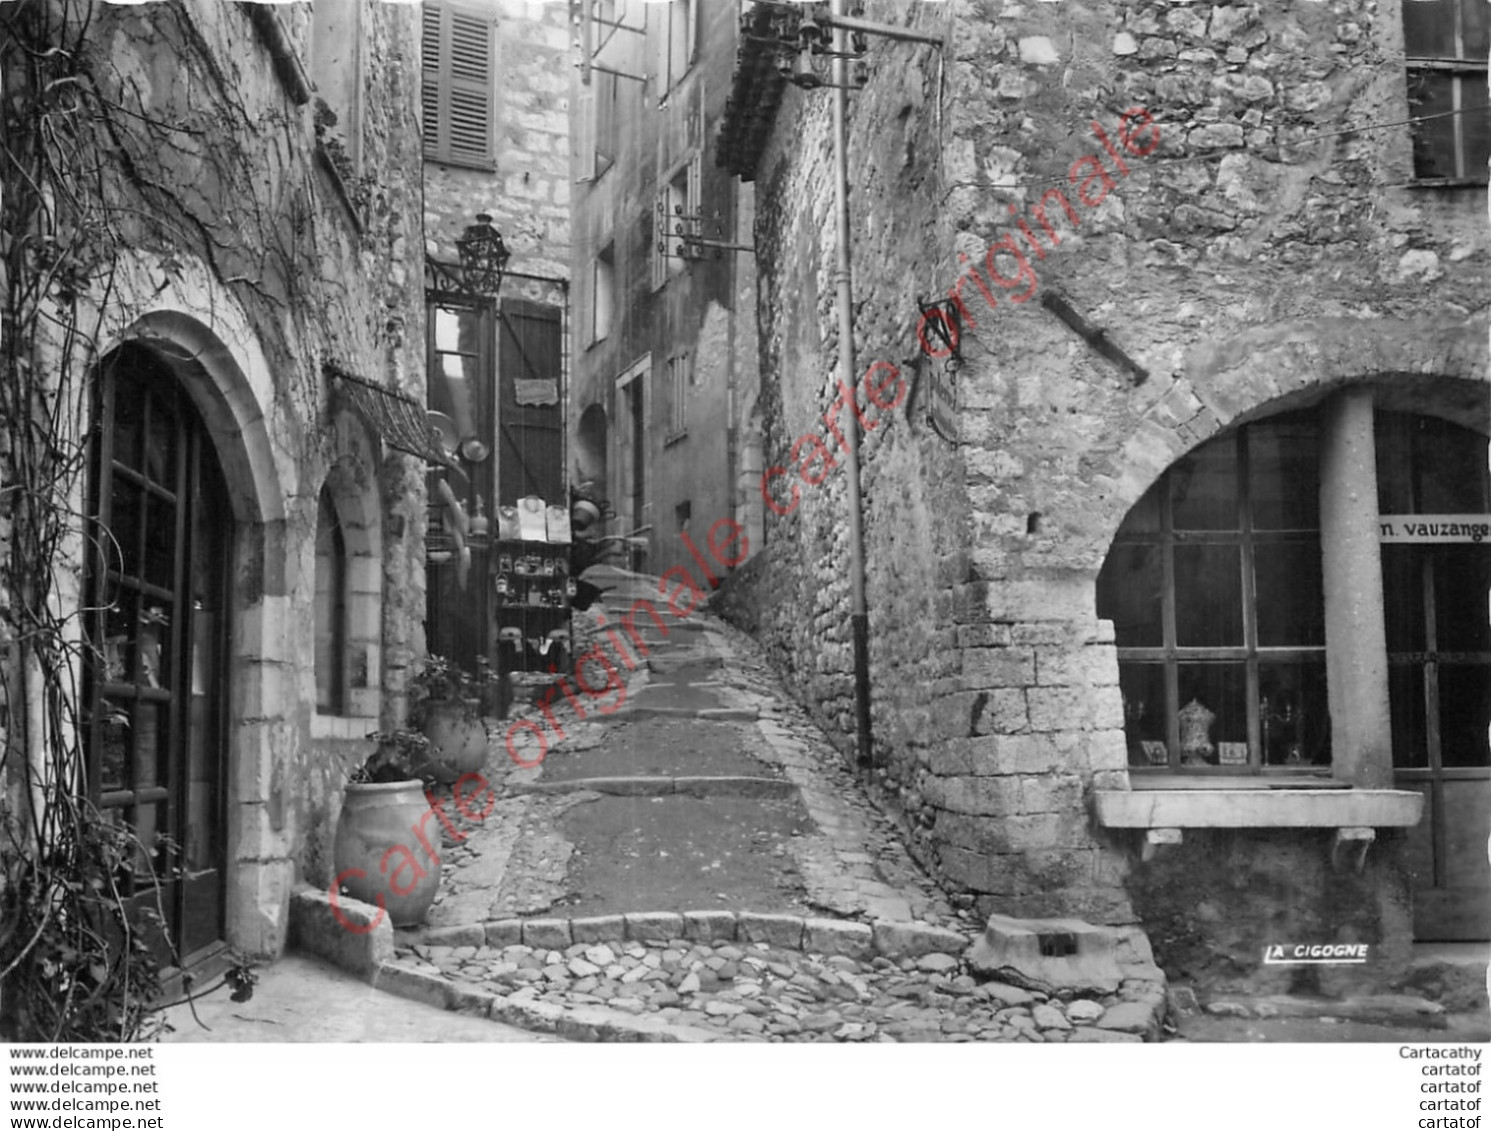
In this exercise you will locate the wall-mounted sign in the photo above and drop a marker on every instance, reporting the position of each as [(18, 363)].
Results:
[(1395, 528), (942, 403), (536, 391)]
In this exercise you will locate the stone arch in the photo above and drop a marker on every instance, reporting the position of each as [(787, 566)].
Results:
[(263, 734), (590, 448), (1426, 362)]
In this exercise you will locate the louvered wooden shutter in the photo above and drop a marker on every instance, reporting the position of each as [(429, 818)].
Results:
[(458, 51)]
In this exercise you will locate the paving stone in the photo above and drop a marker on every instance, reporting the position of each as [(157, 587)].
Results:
[(689, 985), (602, 956), (717, 1008), (912, 940), (581, 968), (503, 932), (937, 963), (773, 930), (659, 925), (707, 926), (472, 935), (1006, 994), (1130, 1017), (1049, 1017), (746, 1023), (548, 934), (597, 929), (838, 937), (1083, 1011)]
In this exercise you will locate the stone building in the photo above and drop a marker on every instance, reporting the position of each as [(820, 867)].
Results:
[(233, 362), (1174, 525), (665, 416), (496, 111)]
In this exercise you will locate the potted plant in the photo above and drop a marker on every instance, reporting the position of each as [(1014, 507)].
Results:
[(383, 854), (447, 710)]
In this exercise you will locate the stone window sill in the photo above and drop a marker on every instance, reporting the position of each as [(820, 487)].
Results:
[(1256, 808)]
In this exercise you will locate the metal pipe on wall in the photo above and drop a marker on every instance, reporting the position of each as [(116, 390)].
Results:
[(859, 620)]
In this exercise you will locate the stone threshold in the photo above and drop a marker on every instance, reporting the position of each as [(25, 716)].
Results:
[(657, 786)]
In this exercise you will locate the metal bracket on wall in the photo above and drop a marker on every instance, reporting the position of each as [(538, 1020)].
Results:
[(1094, 336)]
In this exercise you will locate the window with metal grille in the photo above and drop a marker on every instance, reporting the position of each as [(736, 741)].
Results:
[(458, 50), (1446, 44), (675, 220)]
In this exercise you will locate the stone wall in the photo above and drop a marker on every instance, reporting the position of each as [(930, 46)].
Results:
[(1254, 256), (528, 193), (250, 256)]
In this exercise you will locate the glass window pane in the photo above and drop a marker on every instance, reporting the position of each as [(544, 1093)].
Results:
[(1475, 124), (1450, 466), (121, 547), (1462, 579), (160, 542), (1213, 710), (1208, 596), (1291, 603), (160, 447), (1144, 518), (1204, 487), (1432, 93), (1403, 597), (1285, 483), (1143, 688), (1429, 28), (1464, 713), (114, 731), (1293, 713), (1129, 594), (1475, 30), (1406, 705)]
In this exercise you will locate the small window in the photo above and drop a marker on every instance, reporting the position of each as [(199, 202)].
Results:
[(676, 219), (603, 294), (676, 43), (330, 610), (607, 91), (458, 52), (1446, 44)]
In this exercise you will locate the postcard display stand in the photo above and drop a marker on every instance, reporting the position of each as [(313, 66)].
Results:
[(534, 587)]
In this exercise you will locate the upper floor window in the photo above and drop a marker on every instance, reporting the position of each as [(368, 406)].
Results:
[(1446, 43), (603, 294), (680, 380), (676, 212), (459, 54), (676, 43)]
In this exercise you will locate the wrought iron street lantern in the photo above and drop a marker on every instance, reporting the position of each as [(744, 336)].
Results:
[(483, 257)]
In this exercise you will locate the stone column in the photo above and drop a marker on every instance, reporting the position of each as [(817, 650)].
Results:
[(1355, 623)]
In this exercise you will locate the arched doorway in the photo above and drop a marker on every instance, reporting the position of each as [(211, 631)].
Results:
[(158, 585), (590, 450)]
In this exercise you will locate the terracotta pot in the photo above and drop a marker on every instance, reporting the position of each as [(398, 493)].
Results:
[(381, 849), (458, 739)]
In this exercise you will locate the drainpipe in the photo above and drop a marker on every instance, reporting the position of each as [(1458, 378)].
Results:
[(859, 620)]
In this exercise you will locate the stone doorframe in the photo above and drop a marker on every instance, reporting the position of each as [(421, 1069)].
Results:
[(262, 733)]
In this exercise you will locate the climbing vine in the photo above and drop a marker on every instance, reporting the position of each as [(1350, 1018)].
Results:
[(103, 154)]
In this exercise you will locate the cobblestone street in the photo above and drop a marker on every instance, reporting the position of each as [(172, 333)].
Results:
[(702, 857)]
